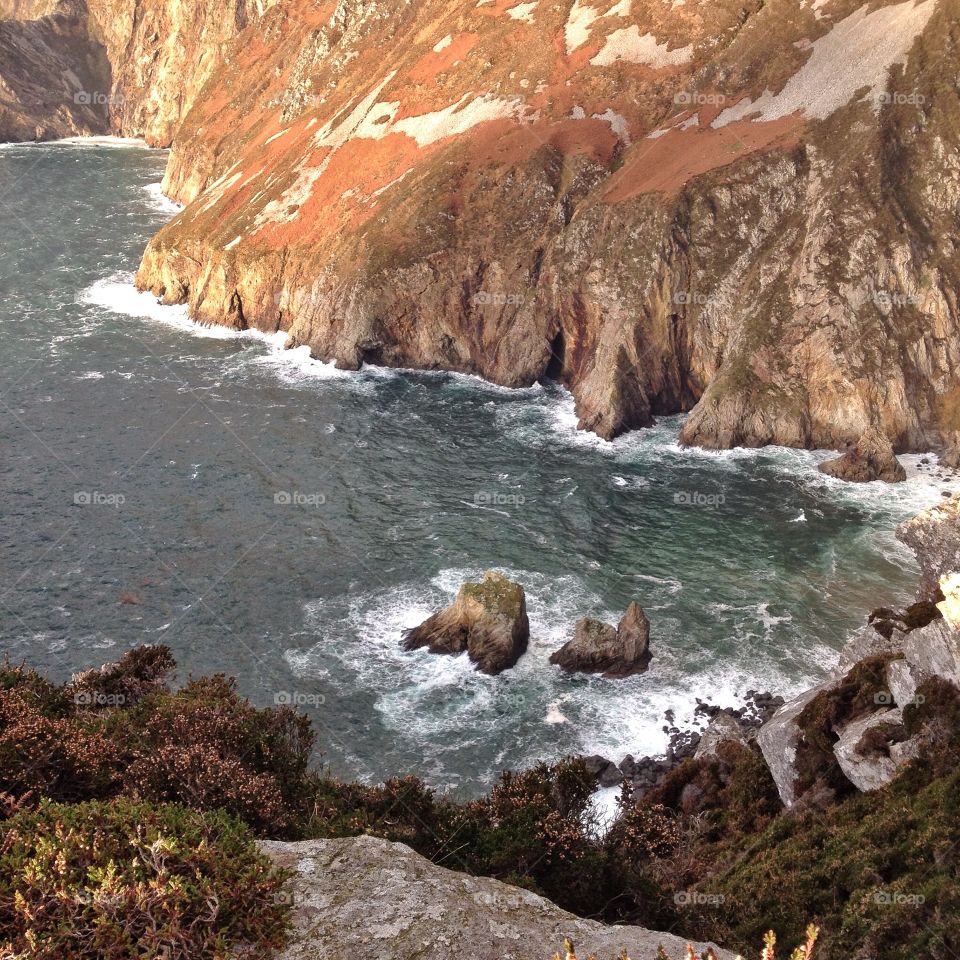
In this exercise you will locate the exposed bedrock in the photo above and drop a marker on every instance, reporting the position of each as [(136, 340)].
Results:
[(127, 67), (487, 621), (615, 652), (449, 187)]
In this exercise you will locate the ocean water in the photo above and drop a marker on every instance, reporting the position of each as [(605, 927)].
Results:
[(269, 517)]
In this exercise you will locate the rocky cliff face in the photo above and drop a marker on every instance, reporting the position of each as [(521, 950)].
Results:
[(745, 210), (48, 66), (369, 899), (881, 671), (127, 67)]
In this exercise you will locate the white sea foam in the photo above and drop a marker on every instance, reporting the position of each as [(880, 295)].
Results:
[(159, 201)]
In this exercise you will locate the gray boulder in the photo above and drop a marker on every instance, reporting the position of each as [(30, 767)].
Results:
[(368, 899), (597, 647), (934, 536), (934, 651), (869, 770), (778, 739), (720, 730), (488, 621)]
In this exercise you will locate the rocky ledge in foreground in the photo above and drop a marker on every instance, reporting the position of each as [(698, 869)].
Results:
[(369, 899), (488, 621), (597, 647)]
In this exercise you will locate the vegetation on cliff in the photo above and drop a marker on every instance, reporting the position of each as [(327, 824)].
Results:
[(117, 784)]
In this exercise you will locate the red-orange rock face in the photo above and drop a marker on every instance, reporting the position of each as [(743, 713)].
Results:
[(745, 210)]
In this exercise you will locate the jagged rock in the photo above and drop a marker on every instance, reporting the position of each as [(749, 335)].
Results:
[(488, 621), (348, 177), (902, 681), (722, 728), (608, 774), (870, 769), (871, 459), (934, 537), (934, 651), (369, 899), (778, 739), (597, 647)]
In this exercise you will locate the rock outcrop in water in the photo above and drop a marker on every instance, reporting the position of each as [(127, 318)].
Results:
[(488, 621), (871, 459), (369, 899), (744, 210), (598, 647)]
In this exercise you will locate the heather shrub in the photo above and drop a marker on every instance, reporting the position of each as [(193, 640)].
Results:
[(208, 748), (879, 873), (121, 731), (111, 881)]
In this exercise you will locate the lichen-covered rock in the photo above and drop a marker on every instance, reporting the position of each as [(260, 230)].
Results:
[(598, 647), (721, 729), (871, 459), (902, 679), (870, 768), (934, 536), (368, 899), (488, 621), (778, 739)]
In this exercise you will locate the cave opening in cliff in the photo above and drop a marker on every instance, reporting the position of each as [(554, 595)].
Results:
[(558, 354)]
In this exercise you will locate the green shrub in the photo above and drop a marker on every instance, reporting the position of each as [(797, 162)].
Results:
[(111, 881)]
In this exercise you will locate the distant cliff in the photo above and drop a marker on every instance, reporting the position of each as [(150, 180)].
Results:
[(127, 67), (743, 210)]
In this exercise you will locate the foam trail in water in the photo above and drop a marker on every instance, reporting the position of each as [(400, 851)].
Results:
[(159, 201)]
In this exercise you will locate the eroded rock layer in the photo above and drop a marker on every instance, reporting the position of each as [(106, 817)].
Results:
[(742, 209)]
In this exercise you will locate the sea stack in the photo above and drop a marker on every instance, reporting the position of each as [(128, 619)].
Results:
[(488, 621), (597, 647)]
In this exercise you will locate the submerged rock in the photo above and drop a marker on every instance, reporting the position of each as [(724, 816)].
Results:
[(597, 647), (369, 899), (871, 459), (488, 621)]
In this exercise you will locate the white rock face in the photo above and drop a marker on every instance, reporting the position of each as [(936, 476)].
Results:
[(368, 899), (902, 681), (778, 739), (871, 771)]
